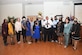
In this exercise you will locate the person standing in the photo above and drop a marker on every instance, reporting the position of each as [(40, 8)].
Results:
[(42, 28), (55, 21), (36, 32), (67, 31), (59, 31), (5, 31), (11, 30), (75, 34), (32, 23), (71, 22), (18, 29), (24, 28), (47, 29), (28, 31)]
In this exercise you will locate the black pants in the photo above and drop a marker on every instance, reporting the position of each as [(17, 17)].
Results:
[(42, 34), (47, 34), (55, 37), (18, 36), (5, 39), (24, 34)]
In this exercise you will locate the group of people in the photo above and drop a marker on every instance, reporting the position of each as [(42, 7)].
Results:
[(52, 30)]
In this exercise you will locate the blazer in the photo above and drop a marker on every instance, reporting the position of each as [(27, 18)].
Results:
[(76, 29), (5, 29), (61, 29), (67, 28), (10, 29)]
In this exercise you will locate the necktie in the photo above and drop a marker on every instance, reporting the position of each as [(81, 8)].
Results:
[(47, 23)]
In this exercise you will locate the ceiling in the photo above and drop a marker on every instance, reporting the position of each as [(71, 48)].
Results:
[(32, 1)]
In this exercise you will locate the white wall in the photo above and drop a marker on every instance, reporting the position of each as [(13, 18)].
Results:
[(57, 8), (78, 12), (48, 8), (33, 9), (0, 15), (10, 10)]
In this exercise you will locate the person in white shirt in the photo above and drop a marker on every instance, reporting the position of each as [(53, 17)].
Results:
[(32, 23), (18, 29), (47, 29), (55, 21)]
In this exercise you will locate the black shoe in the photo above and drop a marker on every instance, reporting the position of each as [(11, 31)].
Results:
[(12, 43), (44, 41), (6, 44), (23, 41)]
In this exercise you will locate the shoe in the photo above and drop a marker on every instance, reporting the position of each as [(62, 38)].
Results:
[(29, 42), (19, 42), (74, 48), (52, 40), (56, 41), (24, 41), (12, 43), (61, 43), (6, 44), (65, 46)]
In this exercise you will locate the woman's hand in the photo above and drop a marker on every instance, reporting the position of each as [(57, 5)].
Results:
[(73, 33)]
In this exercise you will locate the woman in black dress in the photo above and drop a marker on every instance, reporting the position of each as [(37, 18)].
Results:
[(59, 31), (75, 34)]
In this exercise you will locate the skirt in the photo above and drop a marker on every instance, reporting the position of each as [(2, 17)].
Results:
[(59, 34), (76, 38)]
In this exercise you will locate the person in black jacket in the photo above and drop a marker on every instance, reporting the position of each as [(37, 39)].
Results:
[(5, 31), (39, 21), (59, 31), (75, 34)]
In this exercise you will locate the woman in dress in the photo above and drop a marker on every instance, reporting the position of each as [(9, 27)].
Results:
[(5, 31), (75, 34), (36, 29), (60, 28), (28, 31)]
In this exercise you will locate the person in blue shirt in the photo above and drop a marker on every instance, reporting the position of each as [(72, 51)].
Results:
[(67, 31), (24, 28), (55, 21), (28, 31)]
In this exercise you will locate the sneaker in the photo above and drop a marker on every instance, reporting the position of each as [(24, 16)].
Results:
[(19, 42), (29, 42), (56, 41), (52, 41)]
